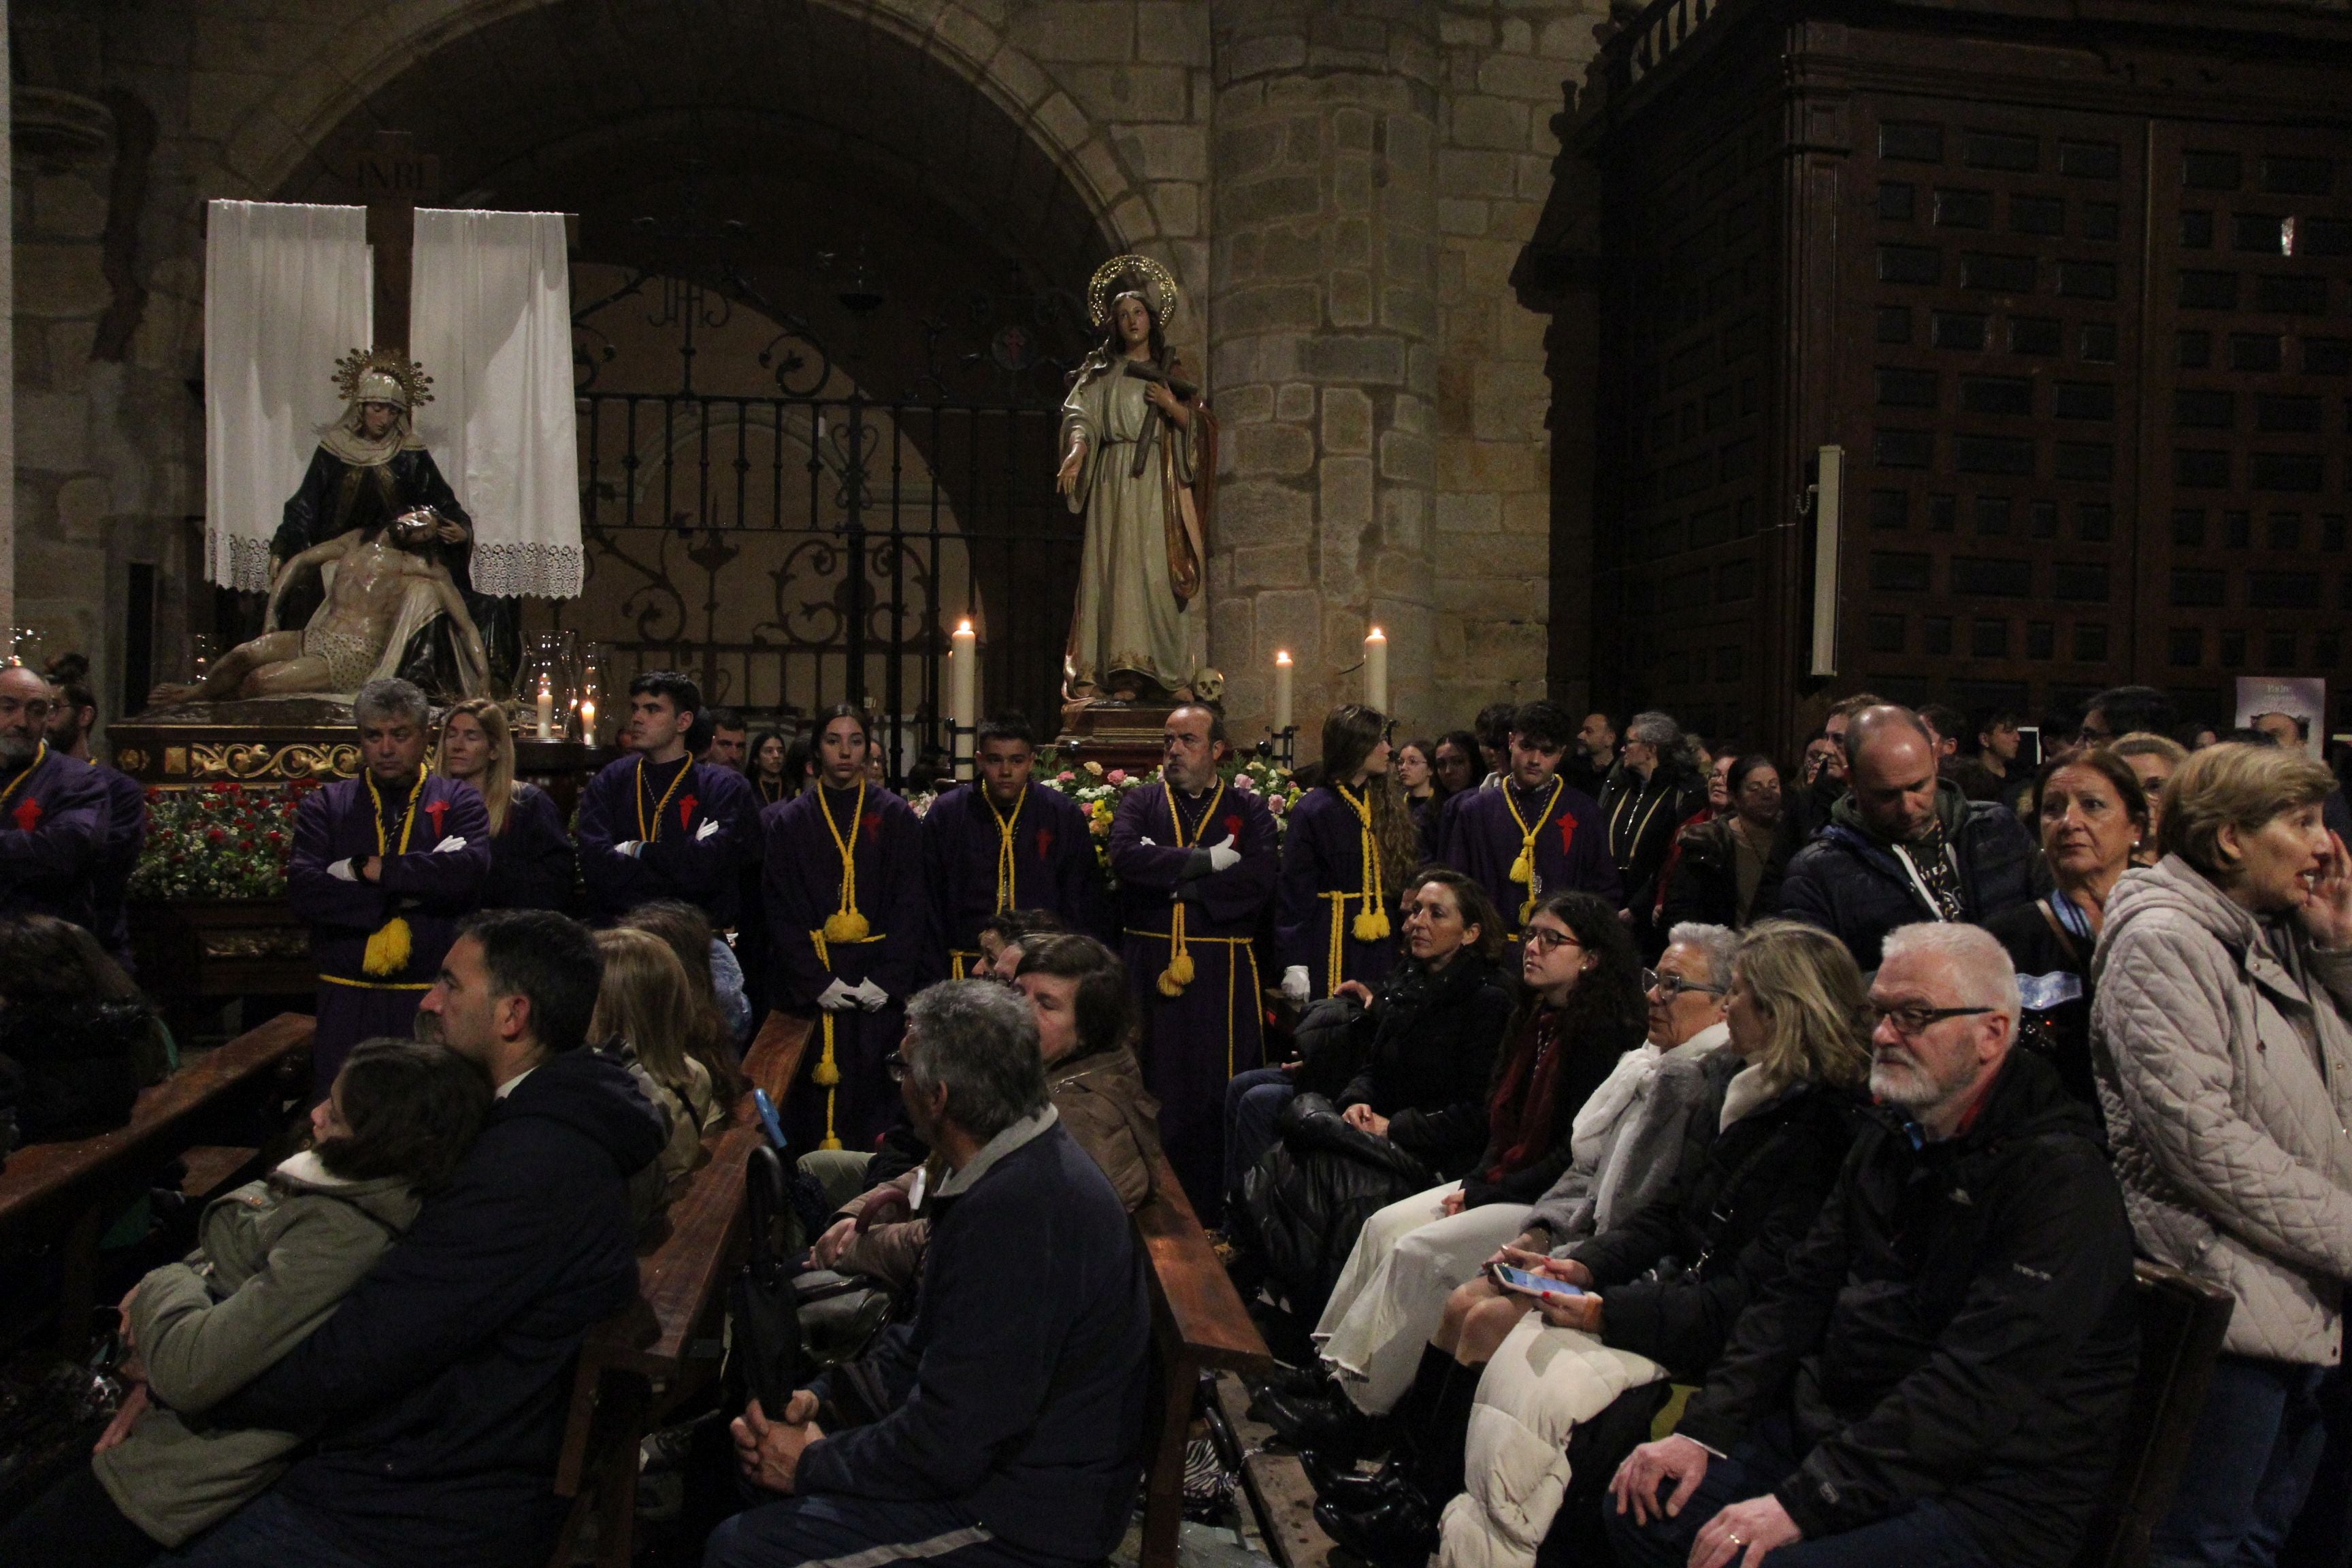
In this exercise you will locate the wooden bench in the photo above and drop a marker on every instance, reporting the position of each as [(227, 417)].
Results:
[(74, 1191), (2181, 1322)]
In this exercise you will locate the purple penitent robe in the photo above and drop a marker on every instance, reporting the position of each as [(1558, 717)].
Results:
[(54, 825), (1053, 867), (693, 834), (802, 888), (1323, 854), (1193, 1042), (1480, 838), (431, 883)]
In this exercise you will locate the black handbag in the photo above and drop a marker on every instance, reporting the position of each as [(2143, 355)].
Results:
[(764, 1357)]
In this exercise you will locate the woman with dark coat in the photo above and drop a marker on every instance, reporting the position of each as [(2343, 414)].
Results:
[(77, 1042), (1727, 871)]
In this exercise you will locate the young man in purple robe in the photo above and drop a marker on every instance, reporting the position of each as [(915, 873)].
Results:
[(660, 825), (1005, 842), (1346, 850), (54, 816), (385, 865), (1195, 862), (1534, 835), (73, 714), (846, 915)]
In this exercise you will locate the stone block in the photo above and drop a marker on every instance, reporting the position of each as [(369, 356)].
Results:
[(1465, 217), (52, 431), (1270, 199), (59, 279), (1460, 514), (1267, 357), (1294, 251), (1018, 77), (1262, 56), (1264, 450), (1173, 34), (1528, 513), (1345, 499), (1350, 243), (1512, 399), (1248, 150), (1350, 297), (1532, 177), (1409, 139), (66, 206), (1132, 219), (1261, 512), (1483, 121), (1407, 412), (1474, 173), (1302, 140), (82, 510), (1131, 92), (1293, 619), (1256, 567), (1351, 130), (1245, 404), (1062, 120), (1076, 30), (1295, 402), (1526, 77), (1410, 311), (1293, 306), (1369, 358), (1346, 421), (1406, 459), (1568, 39), (1351, 184), (1167, 152), (1178, 202), (1518, 35), (1421, 363), (1469, 32)]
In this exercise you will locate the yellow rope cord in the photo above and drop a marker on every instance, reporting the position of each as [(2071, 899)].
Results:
[(1180, 971), (388, 949), (1523, 869), (1006, 826), (645, 835), (845, 924), (1372, 921), (826, 1075), (40, 756)]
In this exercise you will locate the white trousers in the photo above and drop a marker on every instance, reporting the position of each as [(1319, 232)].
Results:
[(1392, 1295), (1543, 1382)]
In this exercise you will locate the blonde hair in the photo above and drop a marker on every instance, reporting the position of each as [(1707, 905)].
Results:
[(2238, 785), (1810, 992), (645, 999), (2140, 743), (498, 780)]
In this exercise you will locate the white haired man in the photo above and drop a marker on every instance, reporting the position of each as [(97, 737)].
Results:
[(1942, 1373)]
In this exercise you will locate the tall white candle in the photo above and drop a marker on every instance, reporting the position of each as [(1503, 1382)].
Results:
[(1284, 672), (588, 719), (963, 709), (1376, 671), (546, 709)]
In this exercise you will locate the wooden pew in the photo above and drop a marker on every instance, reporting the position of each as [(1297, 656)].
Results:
[(76, 1190), (1198, 1322), (2181, 1324)]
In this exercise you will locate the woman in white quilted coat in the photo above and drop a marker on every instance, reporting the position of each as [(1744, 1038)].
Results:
[(2220, 1033)]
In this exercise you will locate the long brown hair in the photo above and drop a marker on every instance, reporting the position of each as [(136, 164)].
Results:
[(644, 998), (1470, 898), (497, 779), (710, 1041), (1349, 733)]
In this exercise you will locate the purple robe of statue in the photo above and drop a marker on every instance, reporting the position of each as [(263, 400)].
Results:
[(1323, 854), (436, 882), (54, 826), (531, 863), (1053, 867), (802, 885), (693, 836), (110, 883), (1480, 838), (1193, 1042)]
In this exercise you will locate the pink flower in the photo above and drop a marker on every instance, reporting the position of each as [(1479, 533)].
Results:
[(1243, 783), (1117, 777), (1066, 776)]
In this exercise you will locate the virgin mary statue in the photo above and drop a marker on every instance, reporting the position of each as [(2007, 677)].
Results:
[(1138, 459)]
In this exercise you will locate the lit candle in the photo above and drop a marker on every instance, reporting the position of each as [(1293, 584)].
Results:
[(1376, 671), (546, 709), (588, 719), (963, 711), (1283, 673)]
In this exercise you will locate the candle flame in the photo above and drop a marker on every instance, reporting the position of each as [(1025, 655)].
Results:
[(1378, 633), (1282, 655), (964, 628)]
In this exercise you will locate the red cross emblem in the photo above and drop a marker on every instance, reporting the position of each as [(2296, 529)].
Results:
[(685, 812), (1567, 833), (1044, 842), (874, 826), (1234, 830), (437, 810), (28, 814)]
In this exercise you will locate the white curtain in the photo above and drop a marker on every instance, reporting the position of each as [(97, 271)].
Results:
[(288, 290), (491, 313)]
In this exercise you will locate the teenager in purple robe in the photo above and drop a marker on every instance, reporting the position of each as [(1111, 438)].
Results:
[(1534, 822), (54, 816), (1346, 850), (660, 825), (850, 927), (72, 715), (1005, 842), (1195, 860), (385, 865)]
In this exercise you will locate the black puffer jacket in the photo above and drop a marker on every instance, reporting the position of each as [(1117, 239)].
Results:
[(1703, 878), (1300, 1207), (1674, 1274), (1850, 885), (1427, 1049), (82, 1064), (1959, 1324)]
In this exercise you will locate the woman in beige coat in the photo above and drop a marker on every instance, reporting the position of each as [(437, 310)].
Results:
[(2220, 1034)]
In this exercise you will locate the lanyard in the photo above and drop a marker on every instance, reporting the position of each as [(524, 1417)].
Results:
[(408, 814), (653, 833)]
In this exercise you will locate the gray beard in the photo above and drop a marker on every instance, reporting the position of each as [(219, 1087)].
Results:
[(17, 749)]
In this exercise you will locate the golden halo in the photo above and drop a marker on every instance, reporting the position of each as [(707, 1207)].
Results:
[(405, 372), (1140, 269)]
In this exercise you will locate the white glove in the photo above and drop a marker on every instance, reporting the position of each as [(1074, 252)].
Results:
[(1145, 843), (1293, 985), (837, 998), (629, 847), (342, 871), (870, 996), (1223, 855), (450, 845), (705, 831)]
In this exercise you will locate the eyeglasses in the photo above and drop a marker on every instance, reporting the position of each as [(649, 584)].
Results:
[(37, 709), (1538, 940), (2090, 737), (1911, 1020), (896, 1066), (1669, 987)]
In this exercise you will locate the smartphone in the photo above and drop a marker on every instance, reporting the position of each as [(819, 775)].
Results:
[(767, 1117), (1519, 1279)]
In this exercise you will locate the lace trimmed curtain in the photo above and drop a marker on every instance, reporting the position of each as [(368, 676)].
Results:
[(490, 312), (289, 289)]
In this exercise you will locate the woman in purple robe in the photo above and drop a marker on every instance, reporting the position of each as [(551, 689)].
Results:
[(1351, 844)]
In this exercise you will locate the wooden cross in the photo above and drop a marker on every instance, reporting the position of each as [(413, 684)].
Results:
[(391, 177)]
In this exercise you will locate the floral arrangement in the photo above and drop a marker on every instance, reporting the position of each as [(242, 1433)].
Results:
[(219, 841), (1099, 790)]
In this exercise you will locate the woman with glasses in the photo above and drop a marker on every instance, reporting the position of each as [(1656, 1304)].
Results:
[(2090, 819), (1583, 1010), (1660, 1287), (1727, 871), (2221, 1035)]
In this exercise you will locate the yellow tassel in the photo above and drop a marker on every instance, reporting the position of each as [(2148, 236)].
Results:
[(1369, 927), (1523, 869), (1168, 984), (1381, 927), (388, 949), (844, 925)]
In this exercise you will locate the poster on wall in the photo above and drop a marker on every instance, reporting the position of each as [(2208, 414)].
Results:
[(2304, 701)]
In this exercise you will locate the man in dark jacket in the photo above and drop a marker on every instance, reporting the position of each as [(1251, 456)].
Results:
[(1016, 1396), (1903, 845), (1940, 1374), (436, 1395)]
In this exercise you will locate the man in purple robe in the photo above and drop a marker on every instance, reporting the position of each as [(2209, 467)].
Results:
[(72, 715), (54, 816), (1006, 843), (1195, 862), (660, 825), (1534, 835), (843, 890), (384, 866)]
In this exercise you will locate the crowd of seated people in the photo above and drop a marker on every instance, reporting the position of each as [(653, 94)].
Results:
[(1840, 1098)]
